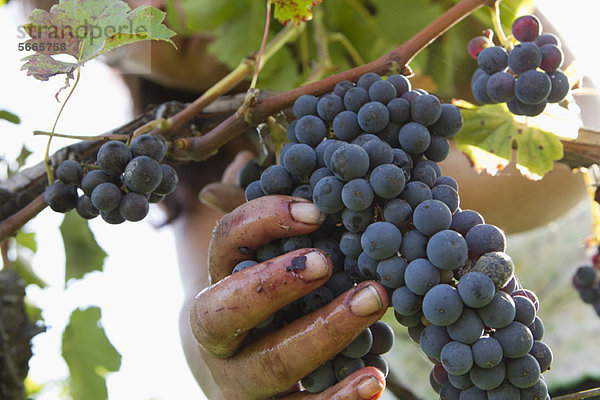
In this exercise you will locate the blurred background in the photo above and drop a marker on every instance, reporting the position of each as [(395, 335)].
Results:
[(138, 290)]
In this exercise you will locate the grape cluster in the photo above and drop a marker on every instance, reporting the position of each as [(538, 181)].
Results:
[(587, 282), (122, 184), (527, 77), (367, 155)]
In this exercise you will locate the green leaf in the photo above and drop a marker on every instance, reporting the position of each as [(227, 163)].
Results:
[(89, 355), (240, 36), (82, 252), (493, 129), (22, 157), (85, 29), (297, 11), (10, 117), (23, 267), (27, 239)]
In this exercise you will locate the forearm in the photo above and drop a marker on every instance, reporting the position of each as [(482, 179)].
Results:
[(192, 233)]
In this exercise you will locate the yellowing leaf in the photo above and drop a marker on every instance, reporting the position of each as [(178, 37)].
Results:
[(84, 29), (297, 11), (488, 136)]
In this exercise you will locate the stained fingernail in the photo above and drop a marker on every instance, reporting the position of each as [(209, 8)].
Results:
[(306, 212), (365, 302), (310, 266), (369, 387)]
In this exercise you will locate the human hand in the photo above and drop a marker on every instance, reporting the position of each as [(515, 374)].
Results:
[(223, 313)]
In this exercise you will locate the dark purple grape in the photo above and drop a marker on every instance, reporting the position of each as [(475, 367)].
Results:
[(169, 180), (526, 28), (69, 172), (134, 206), (113, 157), (148, 145), (60, 197), (142, 174)]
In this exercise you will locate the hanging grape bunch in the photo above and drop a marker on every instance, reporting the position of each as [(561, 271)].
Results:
[(121, 184), (367, 156), (587, 282), (527, 76)]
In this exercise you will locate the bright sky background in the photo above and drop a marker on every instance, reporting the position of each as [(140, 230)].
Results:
[(139, 290)]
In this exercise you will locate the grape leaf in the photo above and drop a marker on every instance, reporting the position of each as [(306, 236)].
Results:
[(89, 355), (26, 239), (10, 117), (84, 29), (493, 130), (297, 11), (82, 252)]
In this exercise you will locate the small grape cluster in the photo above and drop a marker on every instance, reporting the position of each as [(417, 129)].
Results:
[(121, 184), (587, 282), (367, 155), (527, 77)]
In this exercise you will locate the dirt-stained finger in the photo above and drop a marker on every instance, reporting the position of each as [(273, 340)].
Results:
[(276, 361), (222, 314), (256, 223), (365, 384)]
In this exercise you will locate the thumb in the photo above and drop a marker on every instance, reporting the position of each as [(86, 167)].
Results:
[(227, 195), (222, 196)]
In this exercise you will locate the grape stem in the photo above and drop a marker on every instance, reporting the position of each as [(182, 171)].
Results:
[(6, 263), (585, 394), (497, 23), (202, 147), (62, 107), (94, 137), (262, 46)]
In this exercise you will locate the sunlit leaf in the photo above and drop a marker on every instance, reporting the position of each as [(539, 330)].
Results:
[(89, 355), (297, 11), (27, 239), (82, 252), (85, 29), (493, 129)]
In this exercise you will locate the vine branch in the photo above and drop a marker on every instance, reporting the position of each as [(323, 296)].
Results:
[(586, 394), (235, 77), (18, 219), (202, 147)]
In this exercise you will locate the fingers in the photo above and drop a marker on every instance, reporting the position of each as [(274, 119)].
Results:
[(222, 196), (275, 362), (365, 384), (222, 314), (230, 176), (256, 223)]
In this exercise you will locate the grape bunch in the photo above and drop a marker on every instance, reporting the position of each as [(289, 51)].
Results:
[(587, 282), (120, 186), (367, 156), (527, 76)]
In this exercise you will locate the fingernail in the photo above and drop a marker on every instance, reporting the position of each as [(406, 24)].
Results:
[(209, 198), (369, 387), (310, 266), (306, 212), (365, 302)]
